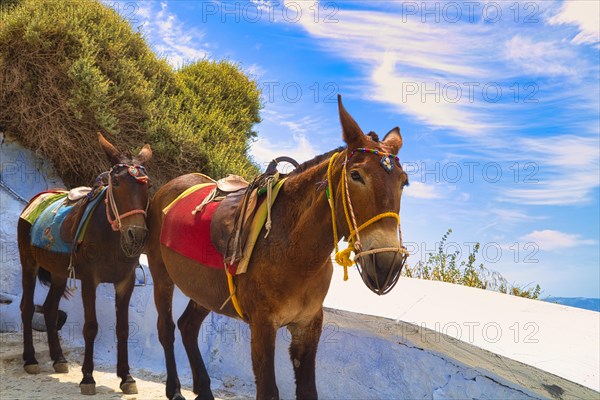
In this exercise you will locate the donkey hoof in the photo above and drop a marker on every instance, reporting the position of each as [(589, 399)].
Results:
[(177, 396), (129, 388), (32, 369), (61, 367), (87, 388)]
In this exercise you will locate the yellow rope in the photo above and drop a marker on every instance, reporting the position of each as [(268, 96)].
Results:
[(234, 299), (342, 258), (186, 192), (343, 261), (375, 219), (257, 223)]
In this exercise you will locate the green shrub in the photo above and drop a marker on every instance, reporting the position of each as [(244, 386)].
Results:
[(69, 69), (5, 5), (442, 266), (206, 121)]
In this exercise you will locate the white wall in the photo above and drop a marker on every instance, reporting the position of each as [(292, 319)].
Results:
[(557, 340), (26, 175)]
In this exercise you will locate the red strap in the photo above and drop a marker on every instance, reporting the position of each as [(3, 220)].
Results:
[(113, 222)]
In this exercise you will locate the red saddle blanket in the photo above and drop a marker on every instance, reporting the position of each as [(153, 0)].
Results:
[(189, 234)]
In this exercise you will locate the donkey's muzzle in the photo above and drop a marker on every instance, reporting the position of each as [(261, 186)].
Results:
[(133, 240), (380, 271)]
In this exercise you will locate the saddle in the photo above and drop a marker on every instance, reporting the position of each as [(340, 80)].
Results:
[(231, 184), (78, 193), (230, 224), (218, 223)]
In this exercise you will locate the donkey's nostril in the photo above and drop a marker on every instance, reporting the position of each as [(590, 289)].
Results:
[(131, 234)]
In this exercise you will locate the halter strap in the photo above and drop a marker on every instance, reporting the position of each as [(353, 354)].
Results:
[(374, 151), (135, 170), (388, 160)]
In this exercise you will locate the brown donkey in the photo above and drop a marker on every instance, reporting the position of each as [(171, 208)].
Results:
[(109, 253), (290, 270)]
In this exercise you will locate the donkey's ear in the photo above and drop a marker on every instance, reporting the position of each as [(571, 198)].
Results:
[(144, 155), (113, 154), (393, 140), (351, 132)]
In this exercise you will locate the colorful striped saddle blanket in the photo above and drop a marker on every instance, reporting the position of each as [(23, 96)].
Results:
[(47, 213)]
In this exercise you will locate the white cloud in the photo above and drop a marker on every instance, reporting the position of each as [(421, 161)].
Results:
[(584, 14), (264, 5), (565, 150), (548, 239), (407, 93), (255, 70), (295, 144), (508, 216), (168, 35), (540, 58), (420, 190), (290, 122), (567, 170), (299, 148)]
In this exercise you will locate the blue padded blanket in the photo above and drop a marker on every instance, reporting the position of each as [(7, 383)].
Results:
[(45, 231)]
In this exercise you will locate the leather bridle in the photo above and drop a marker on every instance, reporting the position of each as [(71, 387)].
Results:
[(139, 173)]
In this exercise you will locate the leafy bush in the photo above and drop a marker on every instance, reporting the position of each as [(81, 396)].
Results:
[(5, 5), (442, 266), (71, 68), (209, 118)]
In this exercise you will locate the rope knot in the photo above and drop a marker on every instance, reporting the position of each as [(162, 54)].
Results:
[(343, 259)]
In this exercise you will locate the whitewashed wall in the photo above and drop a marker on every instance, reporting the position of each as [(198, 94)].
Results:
[(23, 175)]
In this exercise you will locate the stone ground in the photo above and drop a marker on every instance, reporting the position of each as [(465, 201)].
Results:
[(15, 383)]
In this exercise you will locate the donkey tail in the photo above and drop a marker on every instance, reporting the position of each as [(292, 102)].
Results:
[(45, 279), (44, 276)]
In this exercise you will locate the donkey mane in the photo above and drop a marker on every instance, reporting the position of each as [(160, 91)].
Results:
[(315, 161)]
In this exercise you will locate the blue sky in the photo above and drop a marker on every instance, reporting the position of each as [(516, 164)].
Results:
[(498, 103)]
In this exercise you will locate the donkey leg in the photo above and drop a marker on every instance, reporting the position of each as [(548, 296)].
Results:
[(189, 324), (163, 299), (303, 352), (123, 295), (57, 289), (29, 274), (262, 344), (90, 330)]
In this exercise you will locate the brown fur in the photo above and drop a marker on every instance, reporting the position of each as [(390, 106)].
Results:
[(273, 294), (99, 259)]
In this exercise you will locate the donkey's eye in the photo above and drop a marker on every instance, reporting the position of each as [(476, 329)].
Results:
[(356, 176)]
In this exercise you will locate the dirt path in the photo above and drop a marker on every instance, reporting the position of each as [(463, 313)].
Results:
[(15, 383)]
